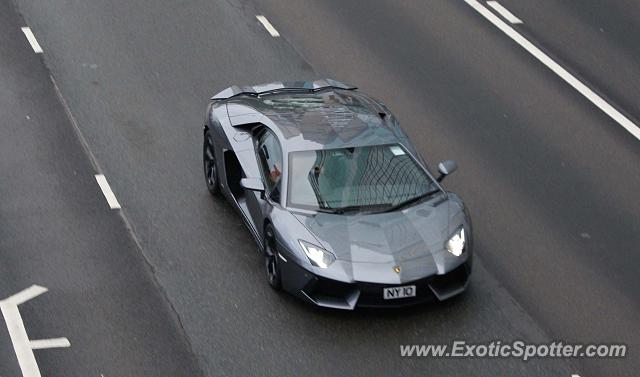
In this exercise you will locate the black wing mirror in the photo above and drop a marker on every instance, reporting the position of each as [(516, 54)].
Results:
[(445, 168), (253, 184)]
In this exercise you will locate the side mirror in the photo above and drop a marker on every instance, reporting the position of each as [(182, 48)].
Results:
[(253, 184), (445, 168)]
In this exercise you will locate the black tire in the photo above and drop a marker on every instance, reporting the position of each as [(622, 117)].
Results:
[(211, 176), (271, 263)]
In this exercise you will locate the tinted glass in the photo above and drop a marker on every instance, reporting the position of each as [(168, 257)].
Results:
[(363, 176), (270, 158)]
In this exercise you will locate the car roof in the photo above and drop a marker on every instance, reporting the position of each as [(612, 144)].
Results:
[(323, 118)]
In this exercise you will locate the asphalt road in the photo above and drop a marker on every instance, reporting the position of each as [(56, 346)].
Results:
[(550, 180), (57, 231)]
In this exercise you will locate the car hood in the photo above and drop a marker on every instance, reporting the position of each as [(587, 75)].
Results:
[(416, 232)]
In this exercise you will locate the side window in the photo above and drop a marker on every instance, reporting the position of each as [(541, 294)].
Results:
[(270, 156)]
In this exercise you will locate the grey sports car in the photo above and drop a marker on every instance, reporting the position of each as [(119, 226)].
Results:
[(343, 208)]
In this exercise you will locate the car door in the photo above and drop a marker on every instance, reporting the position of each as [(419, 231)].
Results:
[(269, 156)]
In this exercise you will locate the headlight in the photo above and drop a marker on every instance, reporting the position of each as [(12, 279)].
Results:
[(455, 245), (318, 256)]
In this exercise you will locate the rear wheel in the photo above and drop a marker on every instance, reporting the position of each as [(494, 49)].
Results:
[(210, 167), (272, 267)]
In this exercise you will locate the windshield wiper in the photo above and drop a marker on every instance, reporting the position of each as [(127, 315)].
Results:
[(330, 210), (411, 201), (341, 210)]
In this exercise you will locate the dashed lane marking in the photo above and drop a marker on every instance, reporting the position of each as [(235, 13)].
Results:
[(106, 190), (267, 25), (504, 12), (32, 40)]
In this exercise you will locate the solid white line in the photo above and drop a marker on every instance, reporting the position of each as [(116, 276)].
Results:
[(504, 12), (49, 343), (267, 25), (555, 67), (32, 40), (106, 190)]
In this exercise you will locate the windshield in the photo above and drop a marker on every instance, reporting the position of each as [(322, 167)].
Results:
[(371, 176)]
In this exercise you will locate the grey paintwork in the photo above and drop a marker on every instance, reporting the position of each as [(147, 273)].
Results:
[(308, 116), (372, 244)]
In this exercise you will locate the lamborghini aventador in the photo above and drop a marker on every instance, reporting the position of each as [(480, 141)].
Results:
[(344, 210)]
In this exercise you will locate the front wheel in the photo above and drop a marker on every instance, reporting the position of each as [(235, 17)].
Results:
[(272, 267), (210, 166)]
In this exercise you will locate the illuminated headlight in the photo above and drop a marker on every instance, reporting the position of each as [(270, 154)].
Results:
[(318, 256), (455, 245)]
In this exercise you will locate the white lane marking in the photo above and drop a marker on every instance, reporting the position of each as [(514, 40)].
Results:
[(281, 257), (49, 343), (557, 69), (106, 190), (32, 40), (504, 12), (267, 25), (18, 334), (26, 295)]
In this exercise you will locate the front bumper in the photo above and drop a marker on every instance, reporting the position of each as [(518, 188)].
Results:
[(331, 293)]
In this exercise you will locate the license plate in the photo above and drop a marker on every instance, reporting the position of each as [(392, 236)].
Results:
[(393, 293)]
